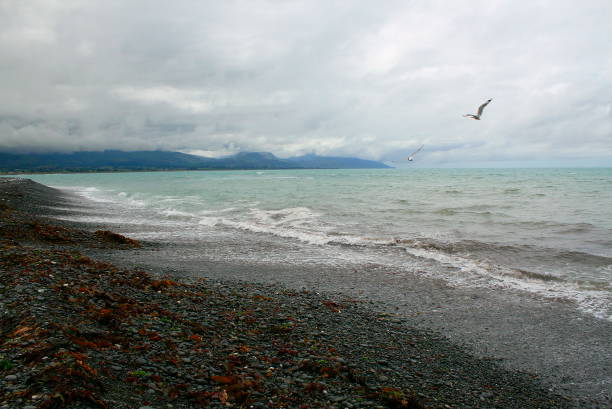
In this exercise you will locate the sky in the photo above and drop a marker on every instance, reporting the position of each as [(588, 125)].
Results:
[(369, 79)]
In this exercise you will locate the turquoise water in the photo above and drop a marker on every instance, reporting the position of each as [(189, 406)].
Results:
[(547, 231)]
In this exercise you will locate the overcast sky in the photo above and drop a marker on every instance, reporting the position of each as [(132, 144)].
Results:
[(372, 79)]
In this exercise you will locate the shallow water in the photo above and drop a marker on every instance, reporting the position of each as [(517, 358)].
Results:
[(543, 231)]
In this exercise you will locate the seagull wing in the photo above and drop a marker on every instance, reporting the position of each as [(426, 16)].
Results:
[(415, 152), (482, 107)]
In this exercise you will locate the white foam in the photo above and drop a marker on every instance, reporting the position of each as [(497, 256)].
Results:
[(300, 223), (208, 221), (88, 192), (107, 220), (218, 211), (482, 274), (280, 217), (174, 212), (108, 196), (132, 201), (304, 236)]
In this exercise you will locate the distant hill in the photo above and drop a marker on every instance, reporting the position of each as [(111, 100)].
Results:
[(98, 161), (113, 160), (331, 162)]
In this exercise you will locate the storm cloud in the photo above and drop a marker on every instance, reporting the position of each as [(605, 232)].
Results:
[(359, 78)]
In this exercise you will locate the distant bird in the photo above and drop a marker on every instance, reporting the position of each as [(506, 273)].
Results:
[(411, 156), (480, 109)]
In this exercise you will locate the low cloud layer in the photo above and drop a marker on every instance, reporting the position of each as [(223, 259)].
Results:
[(360, 78)]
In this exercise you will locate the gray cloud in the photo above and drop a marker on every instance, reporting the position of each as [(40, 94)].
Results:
[(368, 79)]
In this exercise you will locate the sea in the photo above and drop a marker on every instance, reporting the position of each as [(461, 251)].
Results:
[(546, 232)]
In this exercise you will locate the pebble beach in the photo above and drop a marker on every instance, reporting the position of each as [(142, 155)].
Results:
[(90, 318)]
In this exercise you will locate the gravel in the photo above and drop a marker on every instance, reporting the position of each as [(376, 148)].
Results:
[(76, 332)]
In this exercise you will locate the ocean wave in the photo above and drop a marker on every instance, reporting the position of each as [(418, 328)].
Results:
[(480, 273), (476, 210), (511, 250), (287, 216), (463, 257), (218, 211), (538, 276), (479, 262), (299, 223), (485, 206), (88, 192), (295, 222), (114, 219), (548, 224), (301, 235), (209, 221), (575, 228), (174, 212)]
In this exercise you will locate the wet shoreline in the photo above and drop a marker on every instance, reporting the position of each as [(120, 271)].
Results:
[(524, 333), (569, 350)]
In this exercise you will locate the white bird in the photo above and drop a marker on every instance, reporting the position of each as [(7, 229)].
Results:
[(411, 156), (480, 109)]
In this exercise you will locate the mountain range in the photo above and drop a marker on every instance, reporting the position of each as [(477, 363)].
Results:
[(114, 160)]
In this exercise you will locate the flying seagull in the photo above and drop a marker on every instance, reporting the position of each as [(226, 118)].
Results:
[(480, 109), (411, 156)]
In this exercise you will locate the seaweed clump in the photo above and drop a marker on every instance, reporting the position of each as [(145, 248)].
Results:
[(116, 238)]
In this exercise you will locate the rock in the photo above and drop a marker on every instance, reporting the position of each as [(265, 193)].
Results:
[(486, 395), (337, 398)]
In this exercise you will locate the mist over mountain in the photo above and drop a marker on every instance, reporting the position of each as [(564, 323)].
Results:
[(114, 160)]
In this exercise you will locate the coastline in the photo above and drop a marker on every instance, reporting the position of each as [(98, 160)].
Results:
[(355, 326), (568, 350)]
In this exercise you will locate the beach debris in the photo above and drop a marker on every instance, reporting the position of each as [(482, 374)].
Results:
[(111, 237)]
